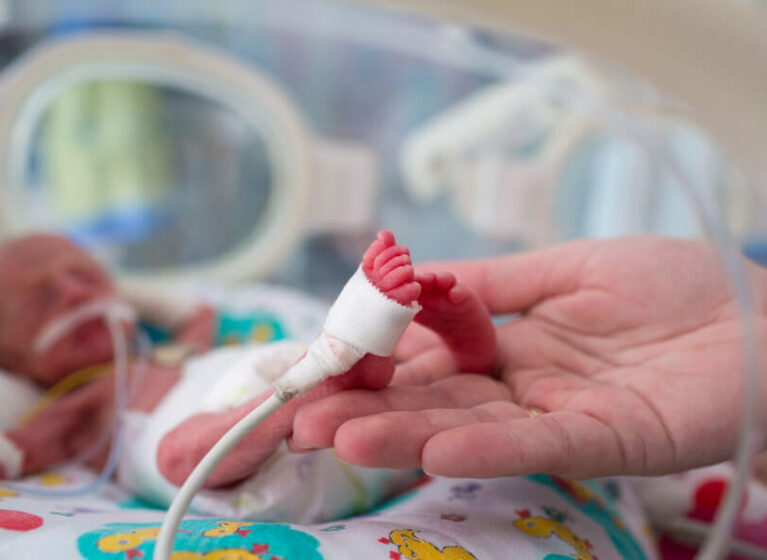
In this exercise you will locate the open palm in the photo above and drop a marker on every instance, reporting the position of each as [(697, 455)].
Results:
[(631, 348)]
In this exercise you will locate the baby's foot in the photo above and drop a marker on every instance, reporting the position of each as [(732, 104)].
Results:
[(388, 267), (460, 318)]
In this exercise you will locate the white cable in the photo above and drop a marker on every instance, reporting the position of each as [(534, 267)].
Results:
[(361, 321), (693, 533), (114, 317), (326, 356), (749, 434), (55, 330), (200, 474)]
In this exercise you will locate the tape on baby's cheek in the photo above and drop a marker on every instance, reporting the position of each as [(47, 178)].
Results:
[(361, 321), (11, 458)]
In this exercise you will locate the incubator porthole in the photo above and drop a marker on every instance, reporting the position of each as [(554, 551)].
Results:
[(464, 138), (145, 171), (171, 161)]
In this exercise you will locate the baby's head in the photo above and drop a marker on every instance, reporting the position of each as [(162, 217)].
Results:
[(42, 277)]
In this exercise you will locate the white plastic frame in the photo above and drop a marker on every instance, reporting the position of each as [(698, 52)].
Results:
[(29, 86)]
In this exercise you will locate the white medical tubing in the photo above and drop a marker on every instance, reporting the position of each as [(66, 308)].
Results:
[(114, 316), (326, 356), (193, 484), (63, 324), (719, 539), (144, 352), (362, 320)]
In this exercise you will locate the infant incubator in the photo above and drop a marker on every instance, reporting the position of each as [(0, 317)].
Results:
[(199, 148)]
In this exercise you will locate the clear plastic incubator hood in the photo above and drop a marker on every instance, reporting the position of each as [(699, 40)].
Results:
[(199, 144)]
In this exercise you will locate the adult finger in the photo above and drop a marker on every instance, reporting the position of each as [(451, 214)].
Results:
[(426, 368), (315, 424), (515, 283), (396, 439), (567, 443), (416, 339)]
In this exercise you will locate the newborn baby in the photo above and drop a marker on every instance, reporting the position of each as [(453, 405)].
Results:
[(197, 412), (44, 281), (178, 416)]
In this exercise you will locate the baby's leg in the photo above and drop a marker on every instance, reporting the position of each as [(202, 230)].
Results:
[(450, 309), (460, 318), (389, 269)]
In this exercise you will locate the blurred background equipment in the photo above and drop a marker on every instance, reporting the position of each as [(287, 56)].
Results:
[(237, 143), (226, 142)]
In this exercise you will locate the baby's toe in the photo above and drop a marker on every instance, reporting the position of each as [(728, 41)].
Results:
[(458, 294), (375, 249), (386, 238), (407, 293), (397, 277), (427, 281), (445, 281), (388, 254), (396, 262)]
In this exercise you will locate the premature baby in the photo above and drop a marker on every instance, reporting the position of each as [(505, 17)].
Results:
[(179, 413)]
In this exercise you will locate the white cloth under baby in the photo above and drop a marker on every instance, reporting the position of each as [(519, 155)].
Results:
[(221, 380), (17, 395)]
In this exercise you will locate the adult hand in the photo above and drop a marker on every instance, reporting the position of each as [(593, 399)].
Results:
[(630, 347)]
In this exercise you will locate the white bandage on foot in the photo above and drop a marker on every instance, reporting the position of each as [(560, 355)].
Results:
[(11, 458), (361, 321)]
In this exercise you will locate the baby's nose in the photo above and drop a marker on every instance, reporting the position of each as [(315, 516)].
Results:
[(73, 290)]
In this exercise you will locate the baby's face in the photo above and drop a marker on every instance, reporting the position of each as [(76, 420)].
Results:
[(42, 277)]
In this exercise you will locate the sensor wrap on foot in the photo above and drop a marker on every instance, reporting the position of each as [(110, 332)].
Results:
[(361, 321)]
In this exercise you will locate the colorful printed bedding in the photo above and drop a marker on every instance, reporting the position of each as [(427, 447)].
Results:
[(538, 517)]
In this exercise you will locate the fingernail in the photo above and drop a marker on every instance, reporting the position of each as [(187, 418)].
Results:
[(338, 458), (297, 446)]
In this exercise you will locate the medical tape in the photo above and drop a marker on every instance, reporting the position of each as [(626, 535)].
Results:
[(11, 458), (361, 321)]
